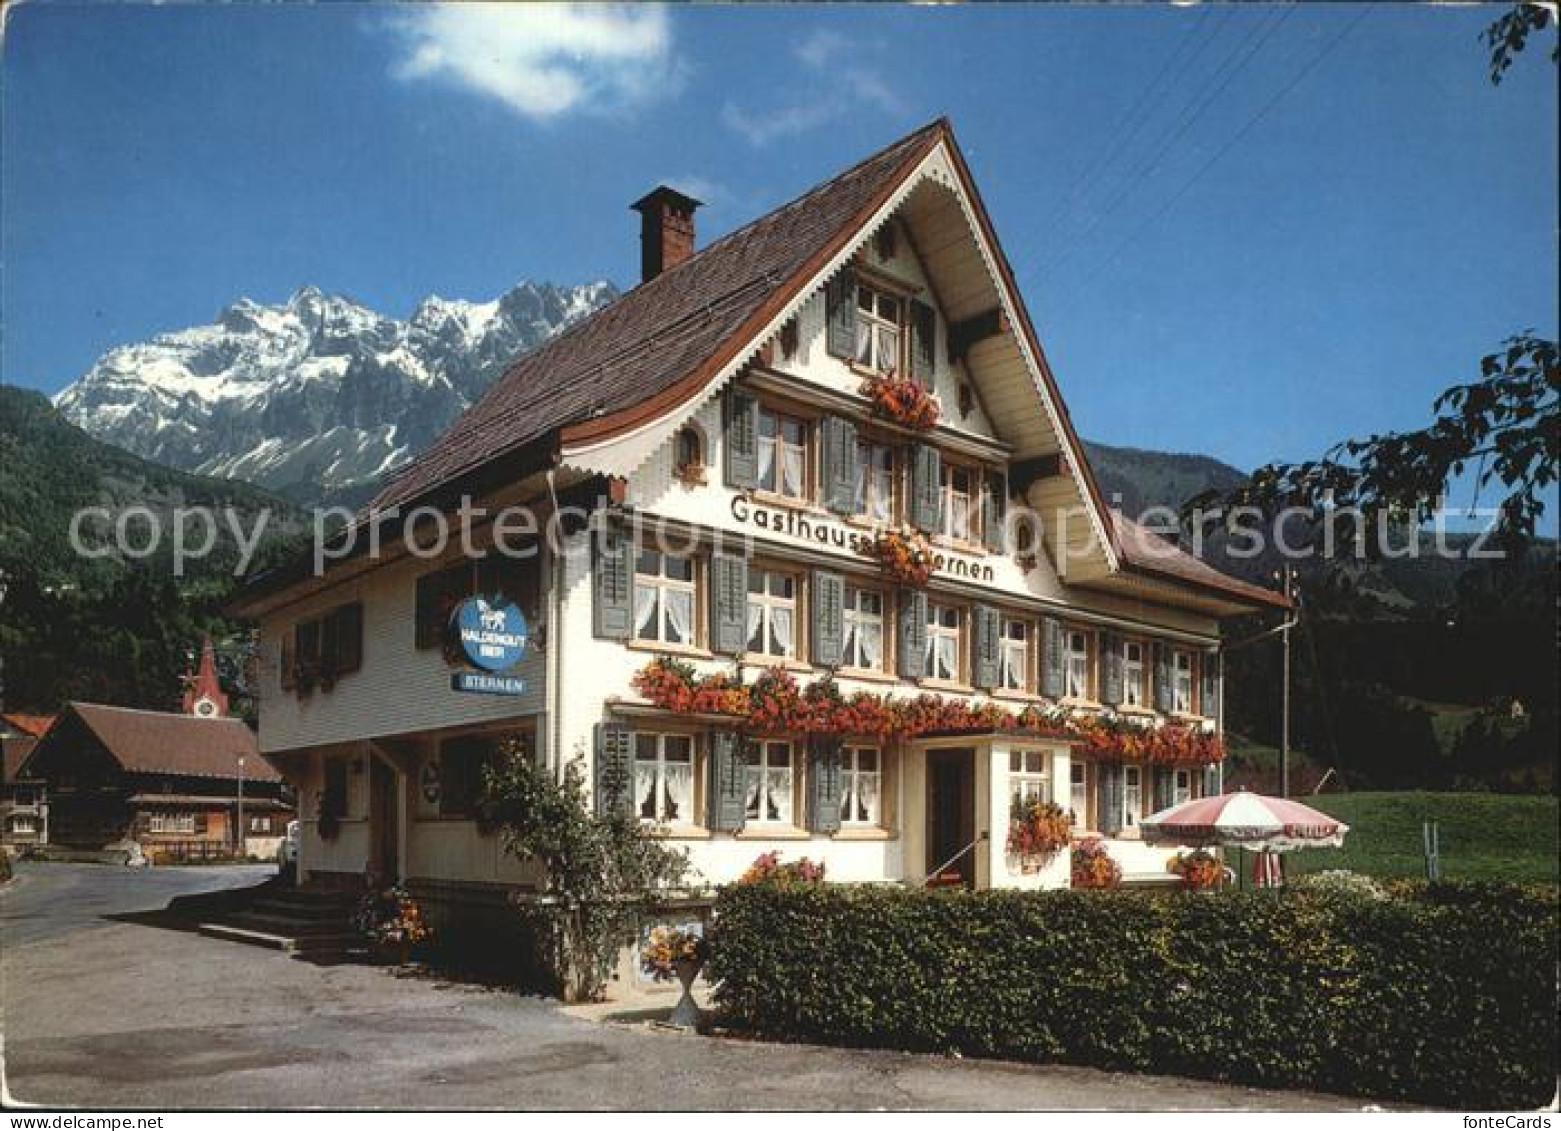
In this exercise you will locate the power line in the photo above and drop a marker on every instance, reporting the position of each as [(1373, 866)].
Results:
[(1235, 138), (1223, 75)]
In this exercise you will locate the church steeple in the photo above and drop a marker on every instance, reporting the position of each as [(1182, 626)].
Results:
[(203, 693)]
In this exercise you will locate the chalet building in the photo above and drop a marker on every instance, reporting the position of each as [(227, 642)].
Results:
[(773, 438), (174, 783), (24, 806)]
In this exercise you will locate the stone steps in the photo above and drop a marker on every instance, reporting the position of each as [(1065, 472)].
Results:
[(323, 945)]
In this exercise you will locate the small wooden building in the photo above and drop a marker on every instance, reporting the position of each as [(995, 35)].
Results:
[(175, 783), (24, 807)]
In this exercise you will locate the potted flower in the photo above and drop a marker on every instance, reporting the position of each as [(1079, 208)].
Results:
[(1200, 870), (1037, 831), (676, 952), (768, 869), (392, 921), (905, 558), (902, 400), (1093, 866)]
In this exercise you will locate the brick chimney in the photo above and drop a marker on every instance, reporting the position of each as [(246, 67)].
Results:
[(666, 230)]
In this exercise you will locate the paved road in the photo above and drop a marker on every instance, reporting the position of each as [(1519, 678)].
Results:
[(106, 1013)]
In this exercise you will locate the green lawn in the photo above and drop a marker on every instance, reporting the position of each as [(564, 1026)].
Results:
[(1483, 835)]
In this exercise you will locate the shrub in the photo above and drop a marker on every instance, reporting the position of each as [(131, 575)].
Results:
[(1341, 881), (1445, 997)]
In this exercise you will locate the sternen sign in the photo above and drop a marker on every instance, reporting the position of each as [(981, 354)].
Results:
[(492, 634)]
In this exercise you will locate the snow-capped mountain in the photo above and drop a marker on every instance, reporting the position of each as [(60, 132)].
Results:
[(317, 394)]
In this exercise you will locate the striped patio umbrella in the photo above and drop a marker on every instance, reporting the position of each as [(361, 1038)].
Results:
[(1244, 820)]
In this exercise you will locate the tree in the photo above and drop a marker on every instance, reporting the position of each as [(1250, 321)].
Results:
[(600, 873), (1509, 35), (1507, 425)]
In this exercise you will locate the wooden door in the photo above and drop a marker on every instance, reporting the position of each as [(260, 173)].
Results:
[(951, 816)]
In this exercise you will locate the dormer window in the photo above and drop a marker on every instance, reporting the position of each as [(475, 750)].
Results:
[(689, 455), (879, 317)]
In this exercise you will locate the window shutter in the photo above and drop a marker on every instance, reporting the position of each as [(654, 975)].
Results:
[(924, 332), (824, 785), (349, 638), (741, 439), (1162, 679), (839, 460), (728, 603), (614, 770), (287, 673), (727, 804), (1164, 787), (306, 648), (1211, 780), (201, 823), (926, 487), (1051, 657), (1109, 797), (840, 298), (993, 510), (913, 633), (1110, 669), (829, 629), (985, 647), (613, 582), (1210, 706)]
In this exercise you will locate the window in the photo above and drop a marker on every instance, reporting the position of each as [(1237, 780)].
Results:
[(462, 761), (770, 782), (333, 798), (863, 629), (664, 777), (1015, 666), (1078, 792), (959, 502), (783, 454), (260, 825), (1133, 799), (439, 592), (878, 319), (23, 825), (1181, 685), (861, 778), (171, 823), (664, 598), (875, 480), (1076, 663), (1027, 780), (772, 613), (689, 452), (1181, 787), (942, 656), (1133, 674)]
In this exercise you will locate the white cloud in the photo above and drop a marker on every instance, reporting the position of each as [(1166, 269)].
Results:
[(542, 60), (825, 54)]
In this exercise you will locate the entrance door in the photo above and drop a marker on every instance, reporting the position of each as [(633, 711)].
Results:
[(951, 816), (384, 822)]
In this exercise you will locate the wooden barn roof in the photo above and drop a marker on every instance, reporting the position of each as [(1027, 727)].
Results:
[(160, 742)]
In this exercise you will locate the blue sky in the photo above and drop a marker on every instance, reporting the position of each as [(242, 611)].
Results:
[(1243, 232)]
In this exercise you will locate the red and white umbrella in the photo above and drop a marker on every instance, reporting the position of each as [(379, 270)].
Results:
[(1244, 820)]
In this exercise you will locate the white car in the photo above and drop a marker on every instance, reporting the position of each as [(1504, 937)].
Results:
[(287, 851)]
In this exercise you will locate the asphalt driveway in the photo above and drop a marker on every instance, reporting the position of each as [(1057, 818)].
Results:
[(104, 1013)]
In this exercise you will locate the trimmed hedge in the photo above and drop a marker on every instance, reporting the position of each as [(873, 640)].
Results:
[(1445, 995)]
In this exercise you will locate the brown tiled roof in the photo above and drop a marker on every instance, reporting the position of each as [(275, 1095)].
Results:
[(664, 330), (165, 743), (1145, 551), (13, 752), (228, 796), (31, 725)]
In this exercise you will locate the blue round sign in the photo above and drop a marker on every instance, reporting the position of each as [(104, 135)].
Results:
[(492, 632)]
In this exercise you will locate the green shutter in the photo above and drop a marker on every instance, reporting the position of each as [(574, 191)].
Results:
[(924, 333), (838, 464), (1211, 780), (1210, 705), (840, 298), (614, 769), (926, 487), (986, 645), (741, 439), (1111, 674), (993, 511), (824, 785), (1163, 699), (1108, 797), (728, 603), (1051, 658), (727, 805), (613, 586), (1164, 787), (912, 633), (829, 629)]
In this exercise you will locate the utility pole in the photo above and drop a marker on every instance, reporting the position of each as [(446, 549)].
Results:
[(238, 839), (1284, 722)]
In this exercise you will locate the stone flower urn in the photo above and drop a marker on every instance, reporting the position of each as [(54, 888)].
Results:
[(685, 1015)]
